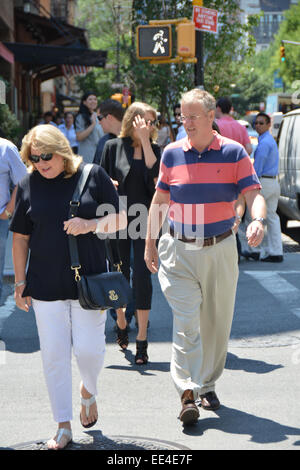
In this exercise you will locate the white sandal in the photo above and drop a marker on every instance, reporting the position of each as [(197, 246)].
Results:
[(87, 402), (60, 433)]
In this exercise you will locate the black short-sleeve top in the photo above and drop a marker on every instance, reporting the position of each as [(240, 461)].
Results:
[(42, 206)]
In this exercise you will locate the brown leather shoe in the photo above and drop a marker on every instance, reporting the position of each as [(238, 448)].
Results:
[(189, 413), (210, 401)]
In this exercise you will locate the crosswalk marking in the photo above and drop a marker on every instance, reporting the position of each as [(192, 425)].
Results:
[(279, 287)]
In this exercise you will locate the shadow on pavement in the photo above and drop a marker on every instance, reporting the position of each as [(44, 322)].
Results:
[(233, 362), (232, 421)]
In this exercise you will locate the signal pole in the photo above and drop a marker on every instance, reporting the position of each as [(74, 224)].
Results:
[(199, 66)]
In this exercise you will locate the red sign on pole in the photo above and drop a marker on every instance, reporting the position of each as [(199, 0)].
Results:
[(205, 19)]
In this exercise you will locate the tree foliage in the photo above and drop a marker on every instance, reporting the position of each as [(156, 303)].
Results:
[(111, 26), (289, 30), (9, 125)]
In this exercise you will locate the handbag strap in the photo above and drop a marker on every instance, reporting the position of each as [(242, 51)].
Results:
[(112, 250), (74, 204)]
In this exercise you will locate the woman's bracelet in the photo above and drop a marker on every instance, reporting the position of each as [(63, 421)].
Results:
[(20, 283)]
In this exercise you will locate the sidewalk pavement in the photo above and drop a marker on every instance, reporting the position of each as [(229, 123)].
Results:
[(139, 406)]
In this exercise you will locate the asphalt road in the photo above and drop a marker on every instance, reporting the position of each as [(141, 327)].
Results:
[(259, 389)]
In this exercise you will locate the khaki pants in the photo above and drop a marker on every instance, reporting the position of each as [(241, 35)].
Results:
[(272, 242), (200, 287)]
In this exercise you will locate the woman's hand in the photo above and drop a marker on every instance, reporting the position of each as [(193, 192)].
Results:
[(115, 183), (94, 118), (142, 129), (23, 303), (78, 226)]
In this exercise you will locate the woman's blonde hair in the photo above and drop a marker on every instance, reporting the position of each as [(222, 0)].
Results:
[(135, 109), (47, 138)]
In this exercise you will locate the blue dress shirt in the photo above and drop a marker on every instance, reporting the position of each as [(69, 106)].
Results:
[(266, 156), (70, 134), (12, 170)]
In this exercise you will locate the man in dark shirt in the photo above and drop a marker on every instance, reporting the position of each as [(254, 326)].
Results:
[(111, 115)]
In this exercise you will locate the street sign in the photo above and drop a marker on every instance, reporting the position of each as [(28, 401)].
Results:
[(278, 82), (205, 19), (154, 42)]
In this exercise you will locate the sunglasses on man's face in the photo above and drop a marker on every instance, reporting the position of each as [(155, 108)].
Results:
[(101, 116), (44, 156)]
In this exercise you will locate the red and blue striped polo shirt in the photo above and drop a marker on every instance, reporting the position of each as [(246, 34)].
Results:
[(204, 186)]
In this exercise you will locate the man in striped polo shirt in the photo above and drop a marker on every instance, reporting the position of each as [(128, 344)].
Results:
[(199, 182)]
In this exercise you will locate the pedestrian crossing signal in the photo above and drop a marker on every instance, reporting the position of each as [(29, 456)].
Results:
[(186, 39), (282, 53), (154, 42)]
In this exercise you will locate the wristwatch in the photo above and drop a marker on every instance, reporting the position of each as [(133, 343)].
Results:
[(8, 214), (259, 219)]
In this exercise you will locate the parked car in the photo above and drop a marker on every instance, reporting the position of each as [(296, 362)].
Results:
[(289, 167), (276, 119)]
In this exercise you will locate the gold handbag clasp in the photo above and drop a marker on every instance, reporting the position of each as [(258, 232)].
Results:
[(77, 275)]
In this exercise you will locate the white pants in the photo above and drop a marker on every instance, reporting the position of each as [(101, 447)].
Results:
[(61, 324), (200, 287)]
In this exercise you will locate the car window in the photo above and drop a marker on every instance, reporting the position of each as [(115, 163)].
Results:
[(296, 142), (285, 141)]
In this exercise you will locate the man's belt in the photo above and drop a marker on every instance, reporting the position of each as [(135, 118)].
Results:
[(268, 176), (206, 241)]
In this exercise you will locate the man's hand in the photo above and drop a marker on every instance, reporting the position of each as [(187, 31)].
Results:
[(255, 233), (151, 257)]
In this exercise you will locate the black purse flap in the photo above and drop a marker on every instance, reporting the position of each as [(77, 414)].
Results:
[(109, 289)]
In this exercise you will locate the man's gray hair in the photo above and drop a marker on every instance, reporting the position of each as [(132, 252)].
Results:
[(199, 96)]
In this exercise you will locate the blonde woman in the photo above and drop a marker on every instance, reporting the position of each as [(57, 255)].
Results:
[(40, 222), (132, 161)]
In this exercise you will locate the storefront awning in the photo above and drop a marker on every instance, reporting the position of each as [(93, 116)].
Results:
[(37, 54), (6, 54)]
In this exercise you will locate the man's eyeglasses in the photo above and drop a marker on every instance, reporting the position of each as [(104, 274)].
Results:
[(189, 118), (101, 116), (177, 114), (260, 123), (44, 156)]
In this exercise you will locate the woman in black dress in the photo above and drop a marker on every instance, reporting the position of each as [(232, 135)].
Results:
[(132, 162), (40, 224)]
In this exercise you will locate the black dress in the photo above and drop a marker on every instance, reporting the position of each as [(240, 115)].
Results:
[(42, 206), (136, 182)]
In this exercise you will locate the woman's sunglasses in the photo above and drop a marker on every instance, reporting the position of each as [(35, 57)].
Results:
[(44, 156)]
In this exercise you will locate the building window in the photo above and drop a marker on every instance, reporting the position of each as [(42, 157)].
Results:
[(59, 9)]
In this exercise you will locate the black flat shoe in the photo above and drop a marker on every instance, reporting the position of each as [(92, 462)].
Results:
[(141, 356), (272, 259)]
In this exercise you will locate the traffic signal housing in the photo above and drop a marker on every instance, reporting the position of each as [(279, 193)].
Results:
[(282, 53), (186, 39), (154, 42)]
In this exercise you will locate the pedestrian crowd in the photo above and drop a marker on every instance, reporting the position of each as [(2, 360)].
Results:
[(175, 197)]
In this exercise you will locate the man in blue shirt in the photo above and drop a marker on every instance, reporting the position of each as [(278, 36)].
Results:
[(266, 160), (12, 170)]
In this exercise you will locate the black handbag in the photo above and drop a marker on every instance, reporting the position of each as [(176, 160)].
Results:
[(104, 290)]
